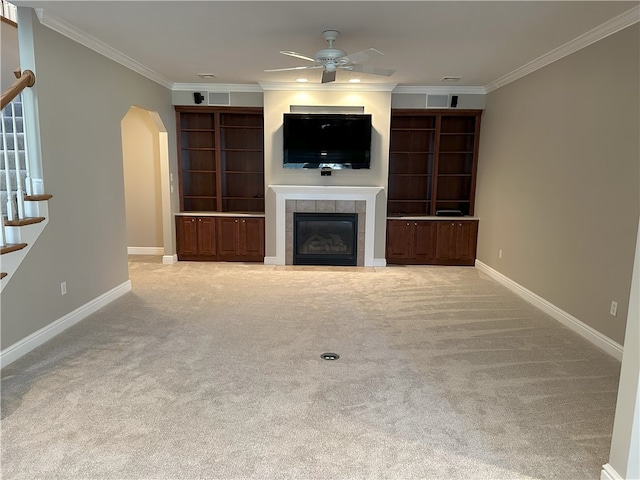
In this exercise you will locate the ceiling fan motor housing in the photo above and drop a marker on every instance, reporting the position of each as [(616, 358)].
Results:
[(329, 55)]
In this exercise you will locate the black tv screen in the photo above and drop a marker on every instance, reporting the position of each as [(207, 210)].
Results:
[(327, 140)]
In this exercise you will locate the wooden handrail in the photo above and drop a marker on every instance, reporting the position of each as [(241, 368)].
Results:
[(25, 79)]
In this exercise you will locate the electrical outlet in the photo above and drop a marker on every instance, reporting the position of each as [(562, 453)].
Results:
[(500, 253), (63, 288), (614, 308)]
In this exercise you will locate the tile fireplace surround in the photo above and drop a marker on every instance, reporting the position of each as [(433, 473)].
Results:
[(339, 199)]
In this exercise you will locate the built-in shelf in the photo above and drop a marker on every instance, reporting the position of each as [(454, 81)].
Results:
[(221, 158)]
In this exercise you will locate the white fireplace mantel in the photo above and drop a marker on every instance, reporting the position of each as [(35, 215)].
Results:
[(312, 192)]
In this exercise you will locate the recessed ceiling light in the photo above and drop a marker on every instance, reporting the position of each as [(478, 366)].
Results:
[(301, 80), (206, 75), (354, 80), (450, 78)]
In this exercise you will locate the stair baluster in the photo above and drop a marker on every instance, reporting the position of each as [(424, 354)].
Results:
[(16, 161), (3, 238), (28, 183), (11, 209)]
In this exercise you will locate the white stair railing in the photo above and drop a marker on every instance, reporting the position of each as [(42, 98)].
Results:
[(24, 207), (16, 173)]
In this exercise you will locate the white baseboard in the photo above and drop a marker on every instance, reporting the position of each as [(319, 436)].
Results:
[(592, 335), (169, 259), (379, 262), (145, 250), (27, 344), (271, 261), (608, 473)]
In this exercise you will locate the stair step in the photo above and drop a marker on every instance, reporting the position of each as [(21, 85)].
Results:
[(37, 198), (23, 221), (2, 275), (12, 247)]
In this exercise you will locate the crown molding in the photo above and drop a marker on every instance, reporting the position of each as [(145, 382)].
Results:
[(329, 87), (83, 38), (610, 27), (441, 90), (216, 87)]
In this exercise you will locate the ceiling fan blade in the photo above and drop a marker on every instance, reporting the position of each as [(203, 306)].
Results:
[(297, 55), (363, 55), (328, 76), (293, 68), (368, 69)]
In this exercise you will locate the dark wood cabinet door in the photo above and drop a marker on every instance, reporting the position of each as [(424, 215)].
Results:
[(399, 240), (206, 236), (466, 240), (186, 236), (252, 238), (446, 242), (456, 242), (227, 231), (424, 245)]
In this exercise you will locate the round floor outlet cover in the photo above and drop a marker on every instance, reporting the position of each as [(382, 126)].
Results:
[(330, 356)]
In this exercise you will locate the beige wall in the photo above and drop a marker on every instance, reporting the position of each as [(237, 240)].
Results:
[(378, 104), (143, 200), (9, 59), (559, 182), (82, 97)]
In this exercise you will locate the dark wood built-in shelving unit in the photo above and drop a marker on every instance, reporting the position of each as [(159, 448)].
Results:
[(221, 158), (221, 170), (433, 161)]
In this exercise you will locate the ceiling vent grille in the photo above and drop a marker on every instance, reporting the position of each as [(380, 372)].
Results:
[(219, 98), (437, 101)]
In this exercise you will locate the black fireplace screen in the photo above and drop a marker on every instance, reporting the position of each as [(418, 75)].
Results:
[(325, 238)]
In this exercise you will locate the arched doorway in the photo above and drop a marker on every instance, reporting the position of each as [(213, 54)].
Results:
[(145, 154)]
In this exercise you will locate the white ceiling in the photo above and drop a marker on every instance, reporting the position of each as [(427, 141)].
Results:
[(422, 40)]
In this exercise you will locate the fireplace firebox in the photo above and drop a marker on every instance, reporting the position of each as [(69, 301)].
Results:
[(325, 238)]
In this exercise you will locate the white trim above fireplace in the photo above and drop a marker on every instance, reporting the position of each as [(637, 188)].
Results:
[(310, 192)]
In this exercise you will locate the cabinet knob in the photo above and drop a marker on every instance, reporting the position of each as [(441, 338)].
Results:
[(199, 219), (459, 224), (193, 219), (236, 221), (407, 224), (243, 221), (415, 223)]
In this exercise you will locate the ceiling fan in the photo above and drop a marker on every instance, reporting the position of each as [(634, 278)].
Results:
[(331, 59)]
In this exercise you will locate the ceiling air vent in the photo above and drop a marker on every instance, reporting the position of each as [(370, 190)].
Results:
[(437, 101), (219, 99)]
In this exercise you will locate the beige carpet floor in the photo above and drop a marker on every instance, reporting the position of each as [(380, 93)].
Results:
[(213, 371)]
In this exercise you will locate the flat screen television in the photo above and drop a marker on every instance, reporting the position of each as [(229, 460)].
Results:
[(335, 141)]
